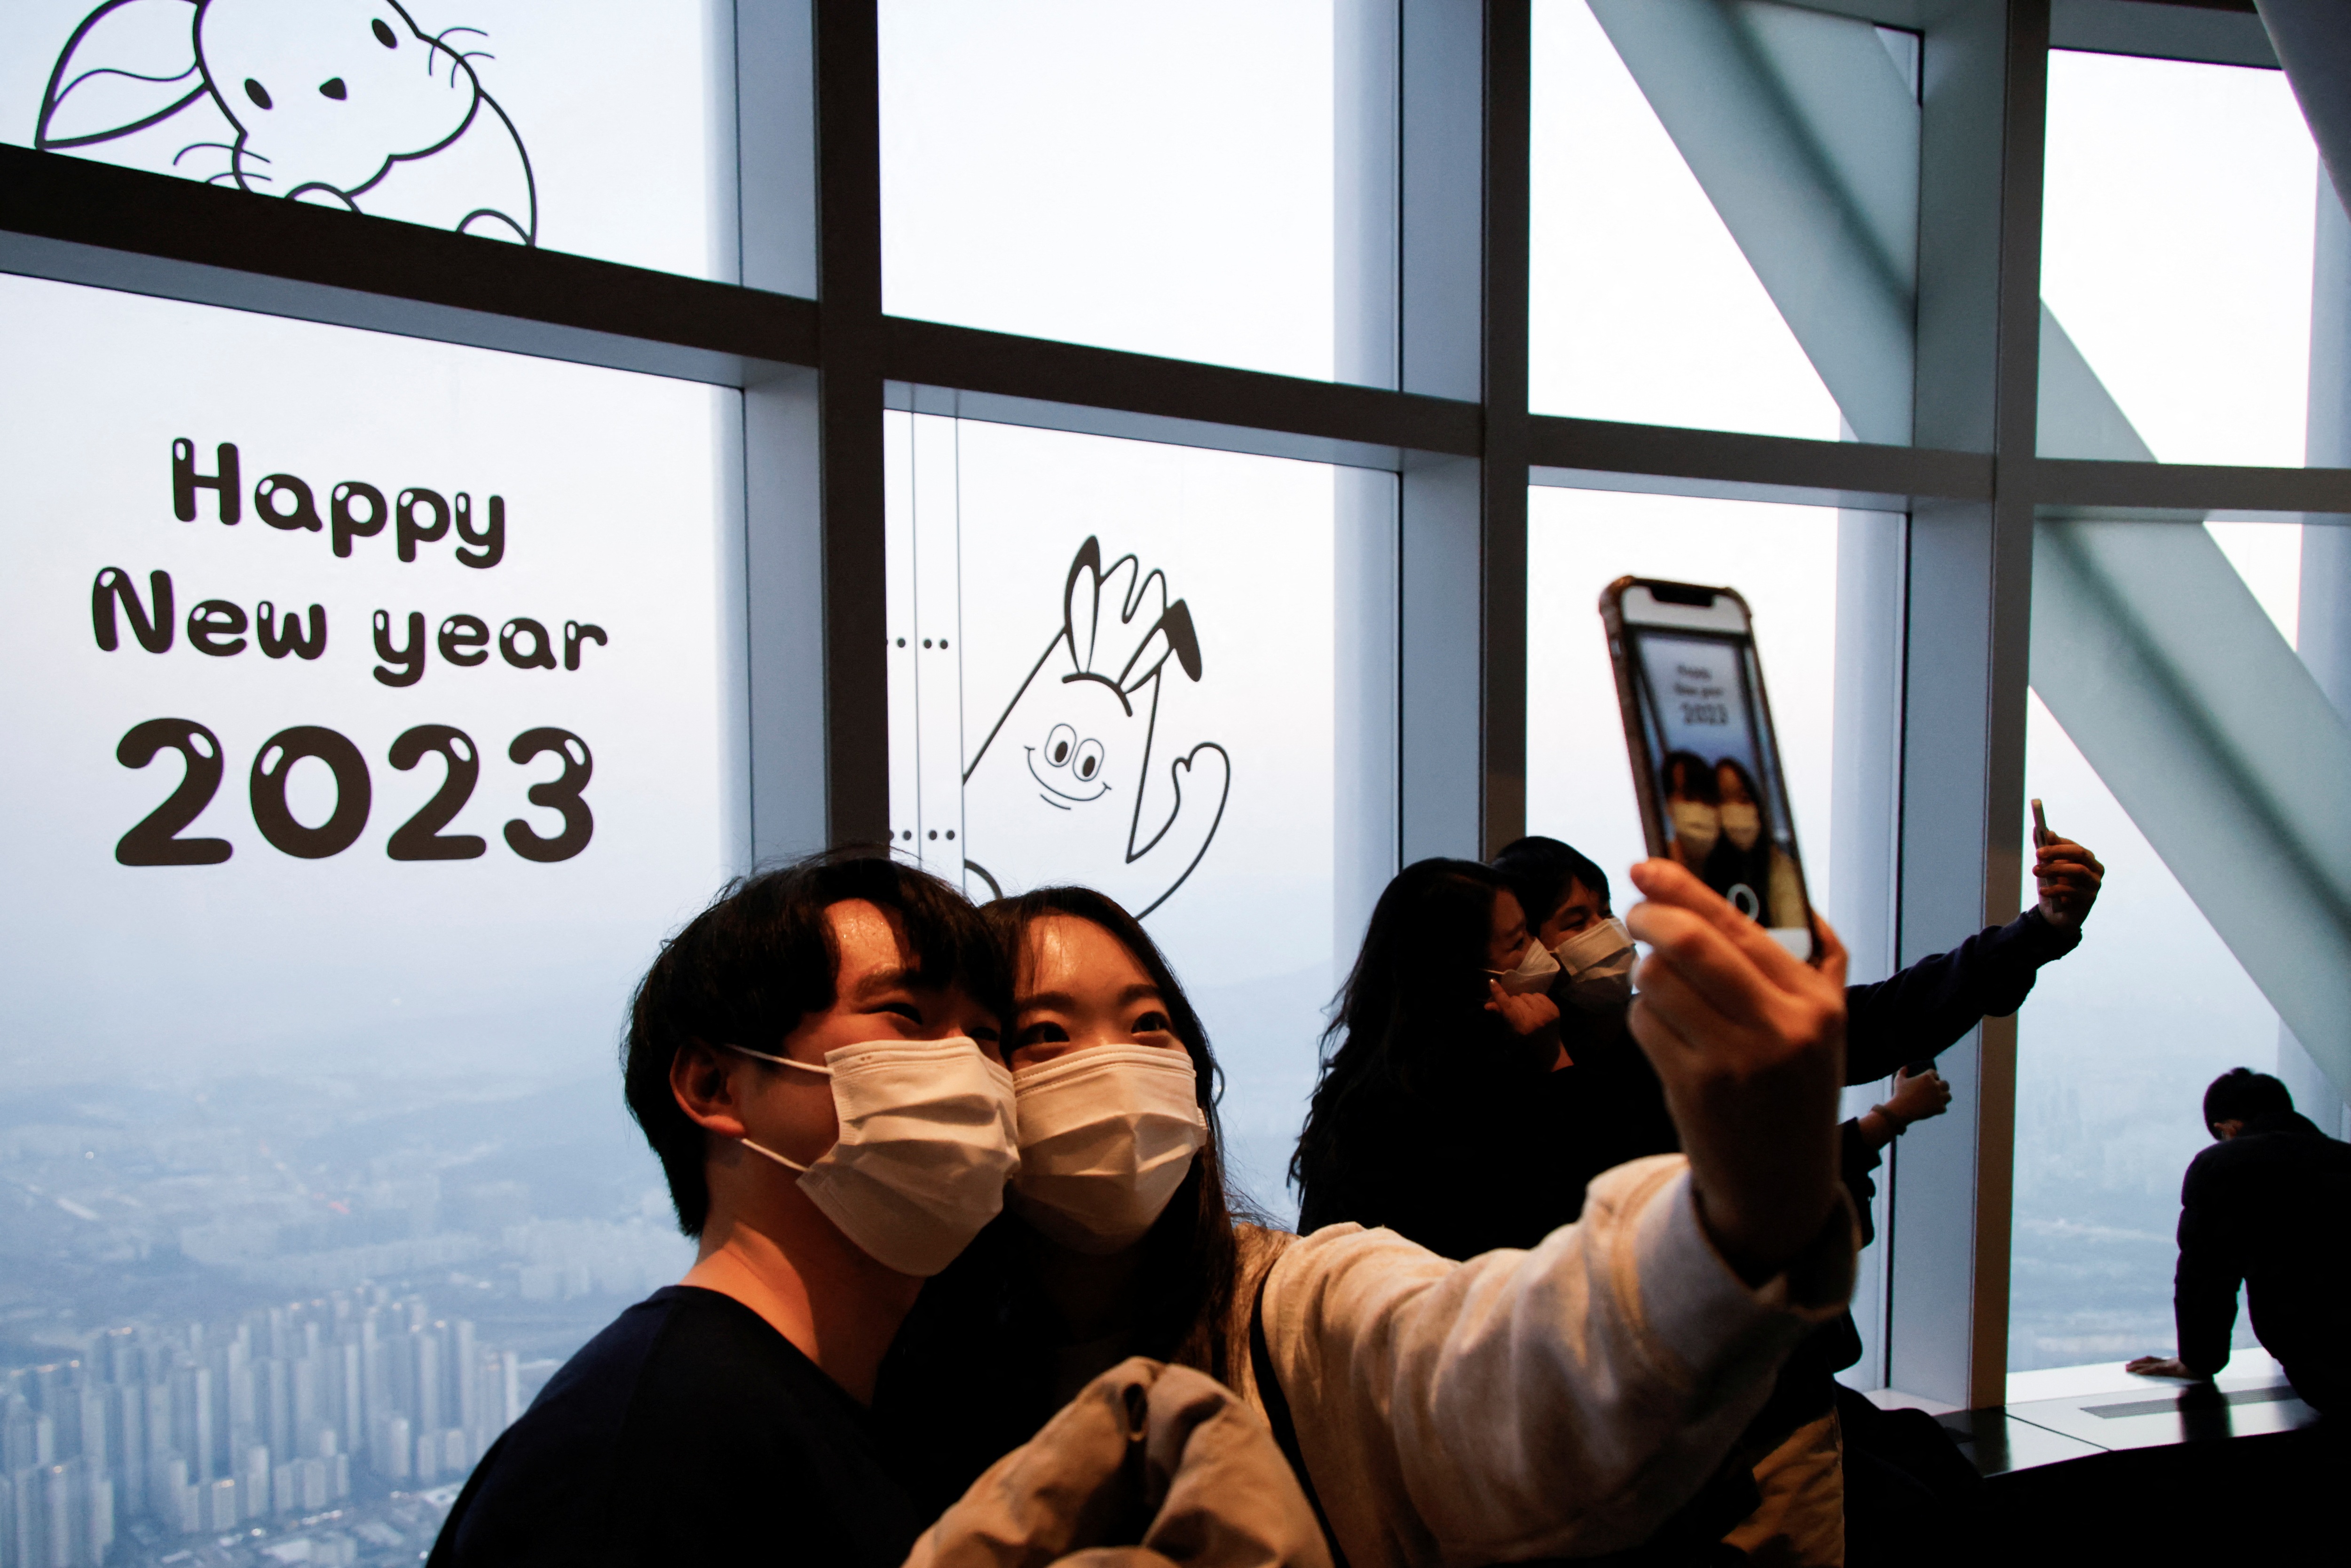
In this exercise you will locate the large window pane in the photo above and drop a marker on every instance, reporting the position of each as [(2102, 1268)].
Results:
[(2115, 1048), (341, 832), (595, 127), (1145, 177), (1782, 559), (2113, 1054), (2176, 256), (1724, 217), (1834, 706), (1196, 779)]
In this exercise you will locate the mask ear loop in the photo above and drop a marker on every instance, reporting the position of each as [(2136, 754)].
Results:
[(779, 1061)]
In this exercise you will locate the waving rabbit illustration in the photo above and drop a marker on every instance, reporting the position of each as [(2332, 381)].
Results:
[(344, 102), (1056, 792)]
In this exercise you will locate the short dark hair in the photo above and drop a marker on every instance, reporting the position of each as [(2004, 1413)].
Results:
[(2241, 1094), (1542, 869), (762, 957)]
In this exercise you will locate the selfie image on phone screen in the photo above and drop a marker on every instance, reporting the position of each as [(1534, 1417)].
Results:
[(1713, 797)]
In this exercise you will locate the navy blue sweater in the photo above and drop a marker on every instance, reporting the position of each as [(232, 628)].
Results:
[(687, 1431)]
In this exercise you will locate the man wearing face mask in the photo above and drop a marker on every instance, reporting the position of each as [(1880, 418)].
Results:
[(815, 1060)]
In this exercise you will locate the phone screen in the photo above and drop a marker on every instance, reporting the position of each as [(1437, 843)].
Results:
[(1721, 803)]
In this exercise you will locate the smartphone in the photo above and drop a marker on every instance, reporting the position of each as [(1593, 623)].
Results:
[(1706, 765), (2040, 826)]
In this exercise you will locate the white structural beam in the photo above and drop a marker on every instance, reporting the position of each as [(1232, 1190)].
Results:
[(2212, 734), (1805, 134)]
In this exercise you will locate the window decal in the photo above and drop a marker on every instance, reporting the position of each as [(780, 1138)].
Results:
[(346, 103), (1056, 792)]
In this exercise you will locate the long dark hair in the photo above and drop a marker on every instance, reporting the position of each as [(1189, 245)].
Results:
[(973, 1371), (1190, 1263), (1415, 997), (1730, 866)]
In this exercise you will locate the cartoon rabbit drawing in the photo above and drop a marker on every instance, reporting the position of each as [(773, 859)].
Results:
[(1056, 792), (346, 103)]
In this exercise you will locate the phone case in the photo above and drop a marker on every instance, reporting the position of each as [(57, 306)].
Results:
[(1648, 793)]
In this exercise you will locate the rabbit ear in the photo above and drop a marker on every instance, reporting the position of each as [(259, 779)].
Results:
[(1172, 634), (1081, 598), (1185, 641), (129, 65)]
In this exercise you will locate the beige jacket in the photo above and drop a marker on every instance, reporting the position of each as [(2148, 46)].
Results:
[(1149, 1466), (1558, 1402)]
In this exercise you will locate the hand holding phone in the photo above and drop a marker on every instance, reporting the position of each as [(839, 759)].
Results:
[(2065, 876), (1749, 1045)]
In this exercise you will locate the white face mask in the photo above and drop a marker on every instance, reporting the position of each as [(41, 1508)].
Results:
[(1106, 1136), (1742, 825), (1535, 972), (927, 1143), (1599, 964), (1696, 827)]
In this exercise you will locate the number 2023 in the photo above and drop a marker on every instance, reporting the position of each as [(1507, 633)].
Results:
[(156, 842)]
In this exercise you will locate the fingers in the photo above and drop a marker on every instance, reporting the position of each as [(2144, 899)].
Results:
[(1677, 1017), (1680, 912), (1831, 946), (1693, 964), (1713, 975), (2065, 852), (1524, 1014)]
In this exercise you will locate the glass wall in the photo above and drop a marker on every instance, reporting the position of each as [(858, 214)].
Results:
[(1724, 217), (2118, 1041), (390, 717), (1113, 664), (2113, 1054), (2176, 263), (599, 129), (1783, 559), (1143, 177)]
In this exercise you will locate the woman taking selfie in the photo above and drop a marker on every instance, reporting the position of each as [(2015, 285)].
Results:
[(1436, 1055), (1650, 1328)]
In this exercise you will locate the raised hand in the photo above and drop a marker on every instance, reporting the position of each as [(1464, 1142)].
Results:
[(2067, 876), (1750, 1044), (1528, 1014), (1916, 1099)]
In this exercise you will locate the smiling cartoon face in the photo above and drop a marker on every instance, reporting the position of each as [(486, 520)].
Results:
[(1071, 764), (329, 93)]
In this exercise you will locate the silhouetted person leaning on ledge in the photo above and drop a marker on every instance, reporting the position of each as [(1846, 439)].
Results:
[(2265, 1204)]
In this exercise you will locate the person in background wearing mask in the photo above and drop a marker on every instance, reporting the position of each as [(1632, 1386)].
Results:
[(1910, 1018), (1617, 1112), (2264, 1207), (1746, 866), (815, 1061), (1609, 1109), (1436, 1055), (1422, 1436), (1693, 808)]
